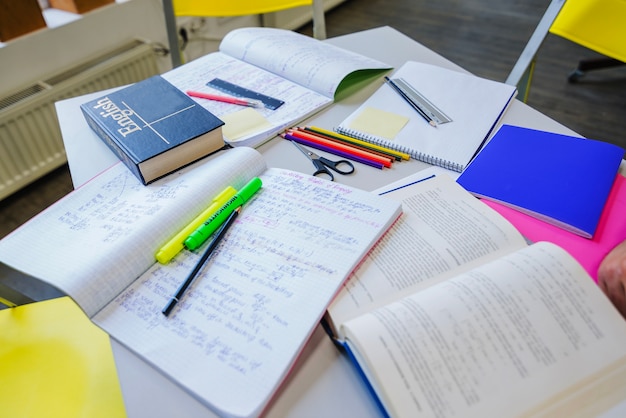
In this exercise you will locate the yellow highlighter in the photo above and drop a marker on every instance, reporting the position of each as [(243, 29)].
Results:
[(174, 245)]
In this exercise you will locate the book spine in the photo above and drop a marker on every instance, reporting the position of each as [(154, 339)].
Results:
[(361, 372), (429, 159), (112, 144)]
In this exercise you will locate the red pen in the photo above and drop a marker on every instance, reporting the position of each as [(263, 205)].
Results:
[(226, 99)]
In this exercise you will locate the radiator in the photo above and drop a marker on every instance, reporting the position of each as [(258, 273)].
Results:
[(30, 138)]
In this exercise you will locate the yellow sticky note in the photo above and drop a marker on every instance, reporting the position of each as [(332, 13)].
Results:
[(244, 122), (56, 363), (379, 123)]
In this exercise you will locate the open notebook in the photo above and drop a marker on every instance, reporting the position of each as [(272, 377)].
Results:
[(247, 316)]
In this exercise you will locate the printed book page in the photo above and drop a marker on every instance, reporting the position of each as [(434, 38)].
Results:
[(301, 71), (248, 314), (442, 230), (532, 323), (98, 239)]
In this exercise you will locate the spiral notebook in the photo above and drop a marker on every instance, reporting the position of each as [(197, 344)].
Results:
[(469, 108)]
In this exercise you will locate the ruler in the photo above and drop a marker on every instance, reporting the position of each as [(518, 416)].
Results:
[(422, 102), (238, 91)]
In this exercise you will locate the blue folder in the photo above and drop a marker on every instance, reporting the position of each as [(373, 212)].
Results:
[(561, 179)]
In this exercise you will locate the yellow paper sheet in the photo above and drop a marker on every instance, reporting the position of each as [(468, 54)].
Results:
[(56, 363), (599, 25), (379, 123)]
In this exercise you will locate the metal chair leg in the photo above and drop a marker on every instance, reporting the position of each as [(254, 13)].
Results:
[(592, 64)]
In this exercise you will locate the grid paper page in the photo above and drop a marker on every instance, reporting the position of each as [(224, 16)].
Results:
[(246, 317), (101, 237)]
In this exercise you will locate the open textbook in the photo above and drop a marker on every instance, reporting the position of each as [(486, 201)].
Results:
[(453, 314), (248, 315), (273, 65)]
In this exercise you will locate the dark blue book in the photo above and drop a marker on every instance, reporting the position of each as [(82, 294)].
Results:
[(560, 179), (154, 128)]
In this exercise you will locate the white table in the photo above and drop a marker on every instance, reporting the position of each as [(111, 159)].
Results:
[(323, 383)]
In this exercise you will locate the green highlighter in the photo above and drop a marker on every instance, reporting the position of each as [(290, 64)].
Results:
[(204, 231), (176, 244)]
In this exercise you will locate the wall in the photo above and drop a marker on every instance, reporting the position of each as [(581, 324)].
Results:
[(205, 33), (39, 54), (47, 51)]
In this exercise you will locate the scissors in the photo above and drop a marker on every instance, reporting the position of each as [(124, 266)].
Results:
[(323, 164)]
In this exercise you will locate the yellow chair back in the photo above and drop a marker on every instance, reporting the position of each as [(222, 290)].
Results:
[(215, 8), (599, 25), (233, 7)]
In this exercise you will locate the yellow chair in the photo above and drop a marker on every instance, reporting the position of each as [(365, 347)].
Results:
[(599, 25), (596, 24), (224, 8)]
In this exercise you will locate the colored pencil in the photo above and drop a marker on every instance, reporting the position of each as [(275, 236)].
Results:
[(333, 151), (349, 143), (402, 155), (317, 139)]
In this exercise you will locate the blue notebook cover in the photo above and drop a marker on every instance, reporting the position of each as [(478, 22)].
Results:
[(344, 347), (561, 179), (353, 359), (149, 118)]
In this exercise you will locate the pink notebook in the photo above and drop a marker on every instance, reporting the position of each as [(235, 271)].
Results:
[(611, 229)]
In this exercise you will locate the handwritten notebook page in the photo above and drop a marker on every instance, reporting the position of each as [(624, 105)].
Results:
[(300, 102), (308, 62), (251, 310), (299, 70), (98, 239)]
